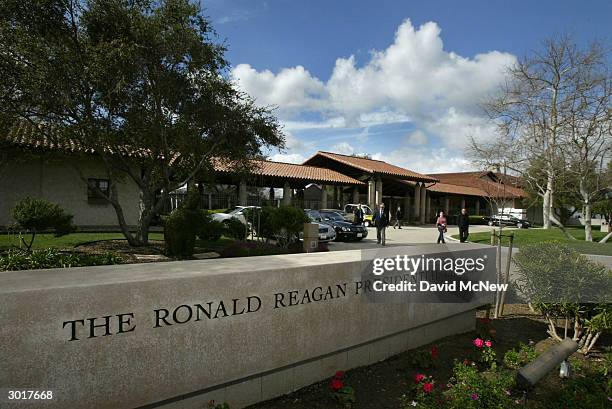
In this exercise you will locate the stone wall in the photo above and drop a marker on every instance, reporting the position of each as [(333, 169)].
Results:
[(178, 334)]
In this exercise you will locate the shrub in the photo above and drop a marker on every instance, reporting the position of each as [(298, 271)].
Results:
[(52, 258), (562, 283), (282, 223), (520, 356), (342, 393), (424, 358), (182, 226), (210, 229), (35, 215), (469, 388), (235, 229)]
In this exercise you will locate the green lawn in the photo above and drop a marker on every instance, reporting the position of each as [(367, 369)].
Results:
[(530, 236), (44, 241)]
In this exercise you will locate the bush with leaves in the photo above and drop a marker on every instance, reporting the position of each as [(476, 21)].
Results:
[(210, 229), (52, 258), (37, 215), (282, 224), (182, 226), (519, 356), (341, 392), (469, 388), (235, 229), (561, 283)]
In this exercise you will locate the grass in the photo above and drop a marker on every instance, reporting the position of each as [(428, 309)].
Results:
[(44, 241), (533, 236)]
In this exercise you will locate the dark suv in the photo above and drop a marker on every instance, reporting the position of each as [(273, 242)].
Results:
[(345, 230)]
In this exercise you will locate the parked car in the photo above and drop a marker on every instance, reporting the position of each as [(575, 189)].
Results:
[(237, 212), (368, 214), (345, 230), (507, 220), (326, 231)]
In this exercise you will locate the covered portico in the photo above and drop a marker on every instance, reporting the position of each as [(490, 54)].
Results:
[(382, 183), (292, 178)]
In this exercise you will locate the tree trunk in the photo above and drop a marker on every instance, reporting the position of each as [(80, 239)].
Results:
[(145, 216), (587, 210), (548, 202), (588, 229)]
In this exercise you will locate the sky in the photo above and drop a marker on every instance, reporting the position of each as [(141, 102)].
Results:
[(401, 81)]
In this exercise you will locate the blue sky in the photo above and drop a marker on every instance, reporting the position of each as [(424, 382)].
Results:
[(399, 80)]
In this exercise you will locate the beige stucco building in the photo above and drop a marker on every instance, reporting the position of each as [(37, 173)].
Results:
[(58, 181)]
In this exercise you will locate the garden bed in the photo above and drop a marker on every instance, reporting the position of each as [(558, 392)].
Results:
[(112, 248), (389, 384)]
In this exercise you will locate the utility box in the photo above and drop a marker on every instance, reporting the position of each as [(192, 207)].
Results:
[(604, 226), (311, 237)]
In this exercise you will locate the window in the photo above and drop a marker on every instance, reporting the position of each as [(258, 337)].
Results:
[(93, 196)]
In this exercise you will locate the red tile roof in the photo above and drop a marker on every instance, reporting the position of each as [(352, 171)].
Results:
[(478, 184), (293, 171), (30, 135), (373, 166)]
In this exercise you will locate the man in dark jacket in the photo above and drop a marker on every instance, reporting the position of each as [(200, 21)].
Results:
[(398, 218), (381, 219), (358, 212), (464, 224)]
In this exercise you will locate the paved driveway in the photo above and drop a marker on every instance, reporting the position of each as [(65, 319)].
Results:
[(409, 235)]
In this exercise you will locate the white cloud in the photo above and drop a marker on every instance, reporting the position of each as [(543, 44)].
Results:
[(417, 137), (288, 157), (414, 79), (424, 160), (291, 89), (343, 148)]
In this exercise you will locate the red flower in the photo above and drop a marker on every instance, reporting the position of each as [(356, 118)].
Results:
[(419, 377), (336, 384), (434, 352), (467, 362), (478, 343), (428, 387), (339, 375)]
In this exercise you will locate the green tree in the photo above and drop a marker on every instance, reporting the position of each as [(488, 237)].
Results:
[(35, 215), (140, 83)]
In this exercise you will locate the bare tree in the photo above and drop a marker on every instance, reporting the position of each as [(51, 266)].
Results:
[(587, 137), (532, 109)]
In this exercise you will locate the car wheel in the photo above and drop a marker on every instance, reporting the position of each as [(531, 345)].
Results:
[(519, 225), (490, 223)]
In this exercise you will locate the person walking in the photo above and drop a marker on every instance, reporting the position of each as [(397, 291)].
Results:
[(442, 227), (358, 212), (381, 219), (464, 225), (398, 218)]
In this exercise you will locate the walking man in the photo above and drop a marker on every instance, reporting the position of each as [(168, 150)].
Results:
[(358, 212), (464, 225), (381, 218), (398, 218)]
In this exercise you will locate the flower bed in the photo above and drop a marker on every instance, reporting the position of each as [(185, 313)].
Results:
[(474, 370)]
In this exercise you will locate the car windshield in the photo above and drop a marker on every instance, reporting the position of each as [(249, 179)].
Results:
[(314, 215), (236, 210), (333, 216)]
